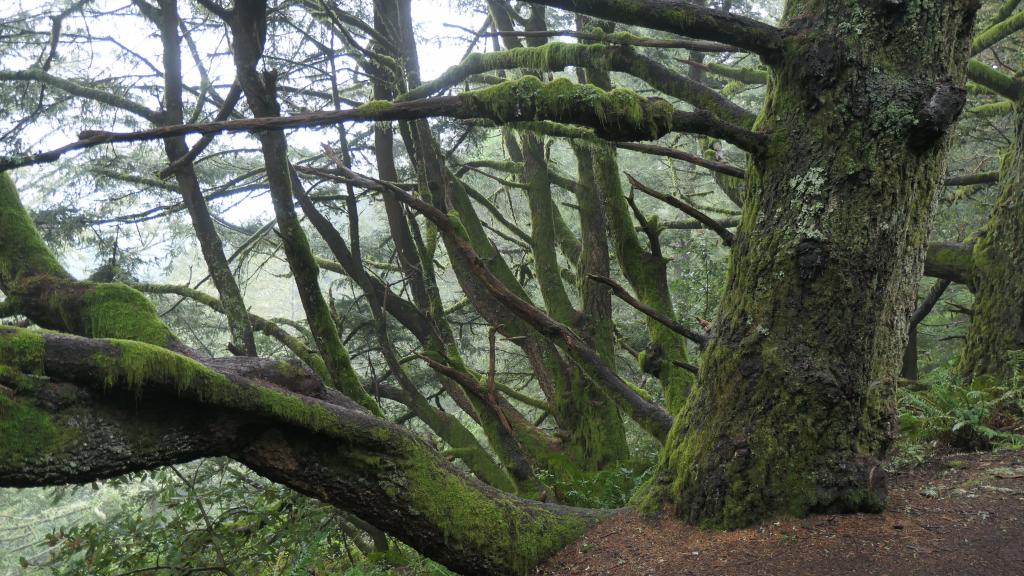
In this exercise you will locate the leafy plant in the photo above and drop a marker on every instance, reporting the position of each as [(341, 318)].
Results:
[(977, 415)]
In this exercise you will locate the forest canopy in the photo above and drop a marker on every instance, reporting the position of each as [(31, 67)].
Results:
[(311, 286)]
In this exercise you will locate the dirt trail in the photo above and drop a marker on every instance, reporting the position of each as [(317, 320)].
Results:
[(957, 515)]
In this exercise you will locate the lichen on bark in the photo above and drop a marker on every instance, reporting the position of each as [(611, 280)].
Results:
[(794, 404)]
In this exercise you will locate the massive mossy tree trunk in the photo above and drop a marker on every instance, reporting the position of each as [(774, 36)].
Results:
[(997, 325), (793, 405)]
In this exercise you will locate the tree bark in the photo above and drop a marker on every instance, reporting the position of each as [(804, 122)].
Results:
[(112, 407), (794, 404), (997, 325), (188, 184)]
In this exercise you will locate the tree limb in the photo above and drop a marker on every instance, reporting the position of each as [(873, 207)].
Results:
[(723, 232), (76, 89), (618, 115), (714, 166), (972, 179), (995, 80), (144, 407), (685, 19), (628, 298), (934, 295), (625, 39), (950, 261)]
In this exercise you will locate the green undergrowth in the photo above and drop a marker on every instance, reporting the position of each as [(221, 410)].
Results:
[(950, 413), (398, 560), (610, 488)]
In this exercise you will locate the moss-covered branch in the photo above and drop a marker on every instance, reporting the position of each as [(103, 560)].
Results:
[(685, 19), (752, 76), (994, 80), (617, 115), (952, 261), (110, 407), (557, 56), (997, 32)]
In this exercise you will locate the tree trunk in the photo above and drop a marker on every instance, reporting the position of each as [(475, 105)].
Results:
[(188, 184), (794, 404), (997, 325), (910, 370)]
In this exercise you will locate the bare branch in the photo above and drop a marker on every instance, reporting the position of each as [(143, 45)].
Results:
[(720, 167), (972, 179), (624, 39), (934, 295), (625, 296), (723, 232)]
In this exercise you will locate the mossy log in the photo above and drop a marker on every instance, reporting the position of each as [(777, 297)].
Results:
[(107, 407)]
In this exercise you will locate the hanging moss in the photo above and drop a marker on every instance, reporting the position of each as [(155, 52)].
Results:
[(555, 129), (28, 432), (21, 350)]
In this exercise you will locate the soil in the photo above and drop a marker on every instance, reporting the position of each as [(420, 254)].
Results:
[(959, 514)]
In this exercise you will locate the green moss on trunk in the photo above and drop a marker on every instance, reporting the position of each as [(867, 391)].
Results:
[(997, 325), (28, 432), (794, 405), (22, 251)]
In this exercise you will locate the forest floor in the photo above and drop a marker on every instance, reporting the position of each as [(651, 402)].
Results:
[(960, 514)]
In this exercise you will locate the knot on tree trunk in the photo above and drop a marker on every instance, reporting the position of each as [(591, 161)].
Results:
[(936, 113)]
